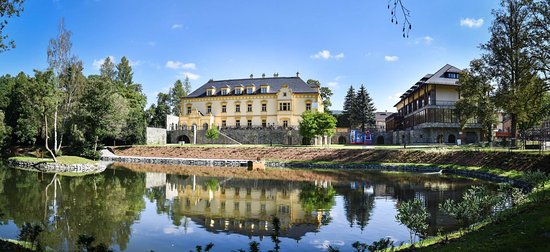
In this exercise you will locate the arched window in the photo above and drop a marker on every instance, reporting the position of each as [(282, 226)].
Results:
[(205, 126)]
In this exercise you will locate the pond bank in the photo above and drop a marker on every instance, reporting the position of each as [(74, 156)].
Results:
[(57, 167)]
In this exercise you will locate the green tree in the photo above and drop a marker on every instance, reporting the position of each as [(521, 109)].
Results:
[(414, 215), (326, 124), (363, 109), (326, 93), (107, 69), (510, 58), (124, 72), (212, 133), (540, 18), (45, 100), (177, 92), (476, 98), (3, 130), (157, 113), (348, 117), (8, 9), (315, 124)]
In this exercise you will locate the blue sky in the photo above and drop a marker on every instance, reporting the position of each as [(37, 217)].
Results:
[(339, 43)]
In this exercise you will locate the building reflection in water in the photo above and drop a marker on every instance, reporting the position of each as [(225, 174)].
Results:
[(247, 206)]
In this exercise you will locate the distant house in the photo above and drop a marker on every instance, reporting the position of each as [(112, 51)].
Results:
[(250, 103), (426, 112)]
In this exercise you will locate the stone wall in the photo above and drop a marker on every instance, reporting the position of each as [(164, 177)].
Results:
[(156, 135), (57, 168), (178, 161), (243, 136)]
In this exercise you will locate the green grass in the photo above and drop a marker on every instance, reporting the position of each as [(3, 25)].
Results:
[(528, 230), (61, 160)]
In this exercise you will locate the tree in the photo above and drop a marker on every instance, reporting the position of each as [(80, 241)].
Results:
[(8, 9), (212, 133), (308, 125), (394, 6), (363, 109), (510, 58), (315, 124), (176, 95), (124, 72), (476, 98), (107, 69), (540, 18), (46, 98), (326, 93), (3, 130), (414, 215), (157, 113), (60, 59), (349, 103)]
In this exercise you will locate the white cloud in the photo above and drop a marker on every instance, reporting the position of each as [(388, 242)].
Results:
[(325, 54), (97, 63), (152, 43), (333, 84), (427, 40), (177, 26), (472, 23), (391, 58), (180, 65), (190, 75), (134, 63)]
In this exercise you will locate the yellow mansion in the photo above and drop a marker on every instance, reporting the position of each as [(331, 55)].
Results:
[(250, 103)]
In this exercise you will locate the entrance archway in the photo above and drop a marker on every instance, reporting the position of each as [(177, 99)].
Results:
[(342, 140), (451, 139), (184, 138), (380, 140), (439, 138), (306, 141)]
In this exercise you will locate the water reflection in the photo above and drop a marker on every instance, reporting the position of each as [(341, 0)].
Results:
[(118, 205)]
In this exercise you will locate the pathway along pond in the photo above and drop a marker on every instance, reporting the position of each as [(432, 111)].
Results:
[(144, 211)]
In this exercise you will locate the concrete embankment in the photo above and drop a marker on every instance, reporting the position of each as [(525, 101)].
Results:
[(57, 167)]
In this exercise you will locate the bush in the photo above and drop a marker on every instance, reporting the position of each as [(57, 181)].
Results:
[(537, 180), (91, 154), (477, 204), (414, 215)]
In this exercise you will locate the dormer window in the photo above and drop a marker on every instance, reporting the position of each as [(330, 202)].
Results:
[(452, 75), (224, 91), (210, 91), (264, 89), (239, 89), (250, 89)]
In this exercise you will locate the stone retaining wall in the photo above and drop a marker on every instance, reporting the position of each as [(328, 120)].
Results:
[(369, 167), (56, 167)]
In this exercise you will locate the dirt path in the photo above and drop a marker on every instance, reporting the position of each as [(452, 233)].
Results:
[(502, 160)]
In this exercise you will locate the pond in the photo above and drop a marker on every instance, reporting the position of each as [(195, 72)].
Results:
[(132, 210)]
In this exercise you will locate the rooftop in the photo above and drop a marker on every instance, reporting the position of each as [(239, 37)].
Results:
[(296, 84)]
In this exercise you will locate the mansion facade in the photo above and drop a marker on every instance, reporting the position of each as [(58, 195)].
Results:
[(425, 112), (250, 103)]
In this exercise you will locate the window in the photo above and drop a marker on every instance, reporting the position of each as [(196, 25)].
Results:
[(209, 109), (237, 108), (249, 90), (285, 123), (284, 94), (224, 108), (249, 107), (308, 106), (224, 124), (238, 91), (238, 123), (209, 92), (222, 205), (262, 208), (248, 206), (236, 206), (284, 106), (452, 75), (263, 90), (189, 110), (249, 123), (264, 107), (264, 123), (205, 126), (224, 91)]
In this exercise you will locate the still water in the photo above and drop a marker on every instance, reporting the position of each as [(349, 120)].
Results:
[(144, 211)]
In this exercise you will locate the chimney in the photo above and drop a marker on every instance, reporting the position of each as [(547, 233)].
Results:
[(263, 75), (275, 74), (251, 76), (298, 74)]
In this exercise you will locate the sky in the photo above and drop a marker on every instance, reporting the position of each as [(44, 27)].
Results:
[(339, 43)]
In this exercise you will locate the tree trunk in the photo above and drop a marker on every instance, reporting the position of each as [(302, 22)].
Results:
[(95, 144), (47, 138), (55, 129), (513, 129)]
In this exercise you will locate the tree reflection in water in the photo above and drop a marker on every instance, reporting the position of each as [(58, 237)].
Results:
[(318, 198)]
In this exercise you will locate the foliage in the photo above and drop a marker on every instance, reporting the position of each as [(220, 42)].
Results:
[(156, 114), (363, 109), (107, 69), (212, 133), (394, 6), (207, 248), (124, 72), (326, 93), (276, 233), (511, 59), (314, 198), (349, 119), (476, 100), (8, 9), (3, 130), (212, 184), (31, 233), (477, 204), (85, 243), (177, 92), (317, 124), (254, 246), (136, 123), (381, 244), (537, 180), (414, 215), (91, 154)]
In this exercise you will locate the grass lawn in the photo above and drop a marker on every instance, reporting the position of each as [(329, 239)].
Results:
[(61, 160), (527, 231)]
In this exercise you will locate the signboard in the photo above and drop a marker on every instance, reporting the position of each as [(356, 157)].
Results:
[(358, 137)]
